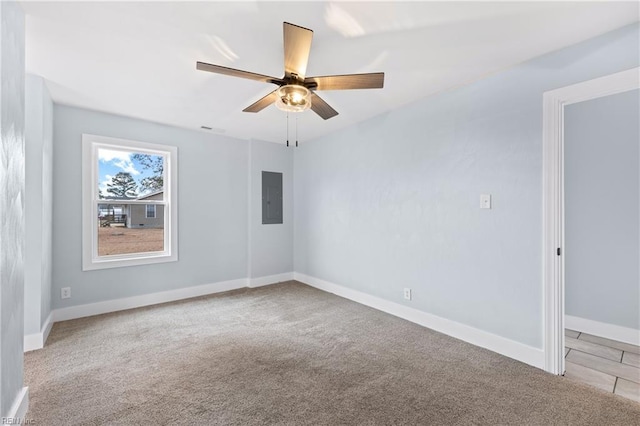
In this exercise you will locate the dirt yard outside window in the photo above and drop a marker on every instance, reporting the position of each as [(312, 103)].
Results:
[(121, 240)]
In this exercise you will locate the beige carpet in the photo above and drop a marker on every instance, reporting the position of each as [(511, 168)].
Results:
[(289, 354)]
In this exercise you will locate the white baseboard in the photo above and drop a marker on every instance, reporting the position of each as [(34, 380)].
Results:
[(33, 342), (271, 279), (602, 329), (507, 347), (46, 328), (90, 309), (37, 340), (18, 410)]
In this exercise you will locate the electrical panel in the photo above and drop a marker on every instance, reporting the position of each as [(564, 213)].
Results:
[(271, 198)]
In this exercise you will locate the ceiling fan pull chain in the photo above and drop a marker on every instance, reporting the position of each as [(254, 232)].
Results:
[(287, 129), (296, 131)]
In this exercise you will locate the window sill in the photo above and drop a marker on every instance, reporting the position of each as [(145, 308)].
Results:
[(123, 261)]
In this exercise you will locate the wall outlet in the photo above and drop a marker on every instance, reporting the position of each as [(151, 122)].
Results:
[(407, 293), (65, 292), (485, 201)]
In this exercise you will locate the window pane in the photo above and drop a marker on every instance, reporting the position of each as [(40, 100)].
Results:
[(126, 175), (126, 228)]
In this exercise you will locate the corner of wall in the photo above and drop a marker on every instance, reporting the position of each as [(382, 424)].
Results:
[(13, 397), (38, 204), (18, 411)]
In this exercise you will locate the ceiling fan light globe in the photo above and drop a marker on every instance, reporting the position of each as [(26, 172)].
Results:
[(293, 98)]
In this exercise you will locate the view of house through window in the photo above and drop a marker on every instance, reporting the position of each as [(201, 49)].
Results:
[(130, 203)]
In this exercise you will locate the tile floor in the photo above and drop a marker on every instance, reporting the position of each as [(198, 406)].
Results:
[(606, 364)]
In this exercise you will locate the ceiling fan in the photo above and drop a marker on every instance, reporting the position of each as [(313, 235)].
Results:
[(296, 91)]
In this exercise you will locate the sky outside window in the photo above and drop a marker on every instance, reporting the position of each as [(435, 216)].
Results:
[(112, 162)]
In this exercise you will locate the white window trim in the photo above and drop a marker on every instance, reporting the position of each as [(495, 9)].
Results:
[(90, 258), (146, 211)]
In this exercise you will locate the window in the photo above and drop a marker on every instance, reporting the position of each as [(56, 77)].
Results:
[(129, 196)]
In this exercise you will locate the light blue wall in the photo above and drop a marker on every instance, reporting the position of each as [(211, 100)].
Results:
[(38, 203), (602, 209), (212, 206), (271, 245), (47, 206), (12, 186), (394, 202)]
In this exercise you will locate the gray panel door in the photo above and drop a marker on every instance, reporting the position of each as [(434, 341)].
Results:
[(271, 197)]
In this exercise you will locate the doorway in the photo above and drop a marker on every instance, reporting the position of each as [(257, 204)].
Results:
[(554, 201)]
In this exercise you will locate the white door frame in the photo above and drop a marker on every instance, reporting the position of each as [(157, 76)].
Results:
[(554, 102)]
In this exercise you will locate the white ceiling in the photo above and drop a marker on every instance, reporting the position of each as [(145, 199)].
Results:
[(139, 59)]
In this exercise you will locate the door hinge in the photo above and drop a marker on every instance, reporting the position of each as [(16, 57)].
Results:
[(559, 251)]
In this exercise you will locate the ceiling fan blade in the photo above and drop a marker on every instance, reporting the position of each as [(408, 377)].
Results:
[(218, 69), (346, 82), (320, 107), (297, 45), (262, 103)]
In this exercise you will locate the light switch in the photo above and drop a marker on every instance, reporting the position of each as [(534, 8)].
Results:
[(485, 201)]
